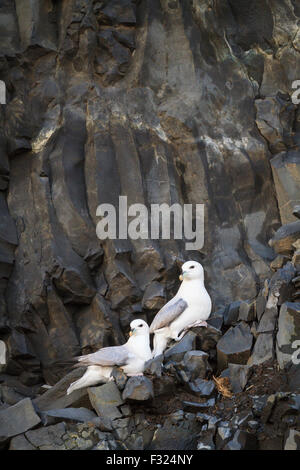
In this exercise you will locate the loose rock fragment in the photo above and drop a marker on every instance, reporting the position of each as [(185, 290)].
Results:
[(283, 240), (138, 388), (288, 332), (105, 400), (238, 375), (235, 346), (18, 418)]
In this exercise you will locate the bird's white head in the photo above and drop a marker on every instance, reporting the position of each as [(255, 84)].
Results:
[(139, 327), (192, 270)]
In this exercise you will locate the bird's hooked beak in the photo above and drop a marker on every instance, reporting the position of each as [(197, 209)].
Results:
[(181, 277), (131, 332)]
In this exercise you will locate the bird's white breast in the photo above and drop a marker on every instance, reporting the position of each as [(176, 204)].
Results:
[(194, 293), (139, 346)]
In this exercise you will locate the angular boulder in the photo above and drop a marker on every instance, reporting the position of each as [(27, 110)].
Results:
[(286, 235), (263, 349), (235, 346), (138, 388), (18, 418), (56, 397), (105, 400), (288, 332)]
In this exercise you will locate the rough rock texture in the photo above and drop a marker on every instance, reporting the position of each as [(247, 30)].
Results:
[(235, 346), (18, 418), (56, 397), (138, 388), (163, 102), (288, 331), (105, 400), (175, 102), (72, 414)]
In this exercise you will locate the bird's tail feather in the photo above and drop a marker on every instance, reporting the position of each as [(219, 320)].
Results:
[(160, 342), (79, 364), (72, 362)]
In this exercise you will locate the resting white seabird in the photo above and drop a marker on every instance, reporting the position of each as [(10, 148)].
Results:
[(190, 307), (130, 357)]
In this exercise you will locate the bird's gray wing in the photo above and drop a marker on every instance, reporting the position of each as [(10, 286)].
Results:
[(168, 313), (113, 355)]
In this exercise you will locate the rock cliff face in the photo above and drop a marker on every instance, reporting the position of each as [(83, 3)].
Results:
[(168, 101)]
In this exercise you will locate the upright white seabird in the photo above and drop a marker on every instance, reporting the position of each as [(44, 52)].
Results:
[(131, 357), (190, 307)]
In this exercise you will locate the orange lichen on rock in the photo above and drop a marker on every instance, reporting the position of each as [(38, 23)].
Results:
[(223, 386)]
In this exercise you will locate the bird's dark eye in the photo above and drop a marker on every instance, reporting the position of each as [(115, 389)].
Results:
[(140, 326), (192, 267)]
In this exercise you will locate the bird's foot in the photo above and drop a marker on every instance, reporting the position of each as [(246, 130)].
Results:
[(192, 325), (46, 386), (70, 389), (135, 375), (179, 337), (199, 323)]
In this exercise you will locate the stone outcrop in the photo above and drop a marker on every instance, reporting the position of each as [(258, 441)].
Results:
[(162, 102), (288, 332), (97, 107), (18, 418)]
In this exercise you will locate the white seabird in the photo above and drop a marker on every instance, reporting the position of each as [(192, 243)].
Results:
[(130, 357), (190, 307)]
